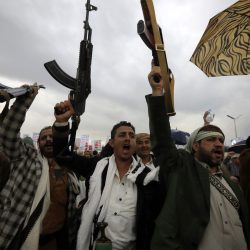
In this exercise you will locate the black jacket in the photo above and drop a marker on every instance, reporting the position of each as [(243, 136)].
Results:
[(186, 211)]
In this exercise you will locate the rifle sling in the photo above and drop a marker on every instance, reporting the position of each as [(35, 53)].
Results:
[(32, 220), (95, 220), (23, 233), (224, 191)]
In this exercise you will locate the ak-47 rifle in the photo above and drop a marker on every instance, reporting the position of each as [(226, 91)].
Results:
[(81, 85), (151, 34)]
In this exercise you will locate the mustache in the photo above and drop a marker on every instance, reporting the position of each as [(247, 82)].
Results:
[(217, 150)]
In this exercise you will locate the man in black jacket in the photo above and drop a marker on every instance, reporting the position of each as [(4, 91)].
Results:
[(120, 191), (203, 209)]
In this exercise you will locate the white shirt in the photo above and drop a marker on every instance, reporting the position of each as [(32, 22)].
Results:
[(121, 213), (224, 230)]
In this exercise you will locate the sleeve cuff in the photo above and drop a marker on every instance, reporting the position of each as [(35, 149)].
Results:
[(61, 124)]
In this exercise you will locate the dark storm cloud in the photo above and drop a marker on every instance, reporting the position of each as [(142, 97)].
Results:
[(34, 32)]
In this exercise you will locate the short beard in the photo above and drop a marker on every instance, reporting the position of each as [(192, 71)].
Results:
[(204, 157), (47, 154)]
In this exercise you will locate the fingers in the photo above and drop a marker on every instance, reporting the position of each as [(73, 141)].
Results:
[(155, 71), (63, 111), (155, 80), (34, 89), (64, 107)]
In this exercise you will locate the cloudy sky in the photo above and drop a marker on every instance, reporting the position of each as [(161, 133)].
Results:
[(33, 32)]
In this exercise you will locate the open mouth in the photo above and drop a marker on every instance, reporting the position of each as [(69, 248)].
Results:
[(49, 147), (218, 153), (126, 147)]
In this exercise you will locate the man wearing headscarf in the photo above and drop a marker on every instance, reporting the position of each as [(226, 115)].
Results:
[(203, 209)]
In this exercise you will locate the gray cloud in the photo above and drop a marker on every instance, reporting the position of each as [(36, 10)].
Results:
[(34, 32)]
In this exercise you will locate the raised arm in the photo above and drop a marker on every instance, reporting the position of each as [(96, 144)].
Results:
[(162, 143), (10, 140), (79, 164)]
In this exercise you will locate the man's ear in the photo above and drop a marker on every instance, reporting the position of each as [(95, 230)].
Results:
[(195, 146), (111, 143)]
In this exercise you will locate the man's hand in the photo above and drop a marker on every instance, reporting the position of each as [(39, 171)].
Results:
[(157, 87), (63, 111), (32, 90)]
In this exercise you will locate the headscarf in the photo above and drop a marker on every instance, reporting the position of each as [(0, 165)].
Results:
[(191, 140), (200, 134)]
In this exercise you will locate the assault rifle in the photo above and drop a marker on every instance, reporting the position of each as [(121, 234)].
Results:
[(81, 85), (151, 35)]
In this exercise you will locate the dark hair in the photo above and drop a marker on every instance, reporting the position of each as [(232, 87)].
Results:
[(45, 128), (106, 151), (120, 124)]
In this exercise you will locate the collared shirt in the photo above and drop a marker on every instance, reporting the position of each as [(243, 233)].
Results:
[(121, 215), (224, 230)]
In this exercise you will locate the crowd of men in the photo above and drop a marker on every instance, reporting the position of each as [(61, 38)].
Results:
[(151, 194)]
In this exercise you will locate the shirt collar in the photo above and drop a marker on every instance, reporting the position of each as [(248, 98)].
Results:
[(219, 172), (132, 166)]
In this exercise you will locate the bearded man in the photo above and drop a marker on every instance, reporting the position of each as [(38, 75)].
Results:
[(203, 209), (61, 221)]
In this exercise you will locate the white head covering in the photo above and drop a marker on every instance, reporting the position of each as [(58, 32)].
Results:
[(191, 139), (198, 135)]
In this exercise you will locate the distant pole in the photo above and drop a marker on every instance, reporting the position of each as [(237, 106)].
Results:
[(234, 119)]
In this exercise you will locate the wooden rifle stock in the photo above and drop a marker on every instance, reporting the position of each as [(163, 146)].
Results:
[(151, 34)]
